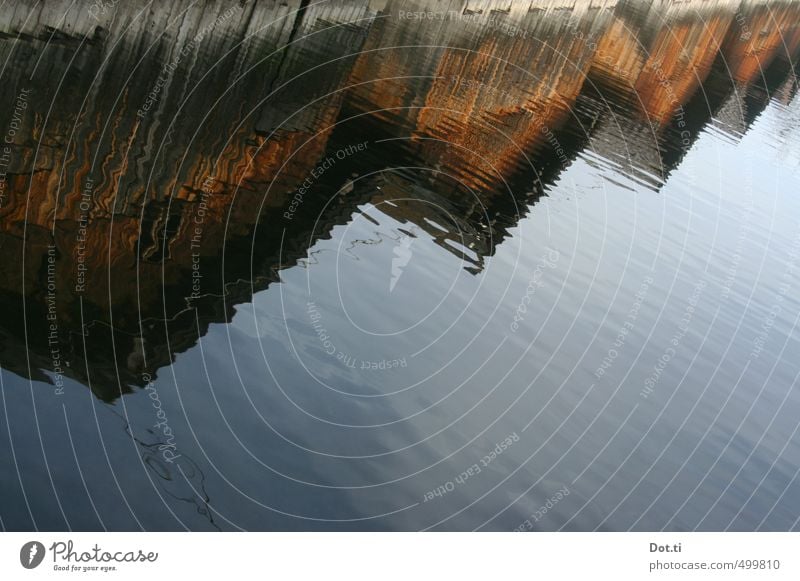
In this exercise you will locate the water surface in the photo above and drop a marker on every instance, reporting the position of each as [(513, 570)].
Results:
[(334, 266)]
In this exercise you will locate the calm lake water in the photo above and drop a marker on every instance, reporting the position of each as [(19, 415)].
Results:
[(346, 265)]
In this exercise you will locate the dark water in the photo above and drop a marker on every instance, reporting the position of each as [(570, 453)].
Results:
[(334, 265)]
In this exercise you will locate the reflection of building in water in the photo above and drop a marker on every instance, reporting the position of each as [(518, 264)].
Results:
[(760, 31), (170, 156)]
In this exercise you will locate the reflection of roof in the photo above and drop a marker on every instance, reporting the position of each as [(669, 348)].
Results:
[(730, 117), (631, 145), (231, 145)]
